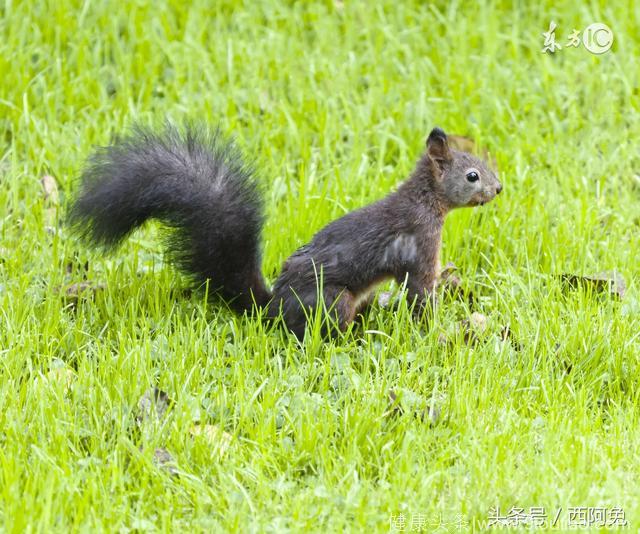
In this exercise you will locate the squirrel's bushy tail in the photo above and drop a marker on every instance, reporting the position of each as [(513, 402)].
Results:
[(198, 185)]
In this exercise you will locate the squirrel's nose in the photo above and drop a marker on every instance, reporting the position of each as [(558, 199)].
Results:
[(499, 189)]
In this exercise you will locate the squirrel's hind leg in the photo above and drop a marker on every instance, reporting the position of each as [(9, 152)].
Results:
[(346, 308), (339, 311), (341, 305)]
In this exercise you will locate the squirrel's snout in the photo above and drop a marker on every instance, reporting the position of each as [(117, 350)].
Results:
[(499, 189)]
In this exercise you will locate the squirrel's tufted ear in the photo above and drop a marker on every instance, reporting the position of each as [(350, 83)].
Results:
[(438, 146)]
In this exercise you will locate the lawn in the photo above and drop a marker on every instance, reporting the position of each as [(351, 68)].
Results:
[(518, 403)]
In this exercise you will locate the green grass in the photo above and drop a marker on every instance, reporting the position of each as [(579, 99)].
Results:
[(334, 102)]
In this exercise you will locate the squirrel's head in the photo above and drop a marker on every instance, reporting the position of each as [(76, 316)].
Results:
[(459, 178)]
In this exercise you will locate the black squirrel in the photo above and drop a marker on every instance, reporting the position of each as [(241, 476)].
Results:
[(197, 183)]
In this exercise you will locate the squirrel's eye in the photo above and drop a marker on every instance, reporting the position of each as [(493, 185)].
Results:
[(472, 176)]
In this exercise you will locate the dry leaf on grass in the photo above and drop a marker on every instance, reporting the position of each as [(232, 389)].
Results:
[(394, 404), (76, 291), (410, 402), (507, 335), (63, 375), (449, 280), (74, 265), (610, 282), (443, 340), (217, 438), (473, 327), (477, 321), (470, 337), (163, 459), (60, 373), (451, 283), (52, 198), (153, 405), (50, 189)]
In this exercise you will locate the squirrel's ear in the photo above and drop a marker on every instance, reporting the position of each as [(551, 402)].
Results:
[(438, 146)]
